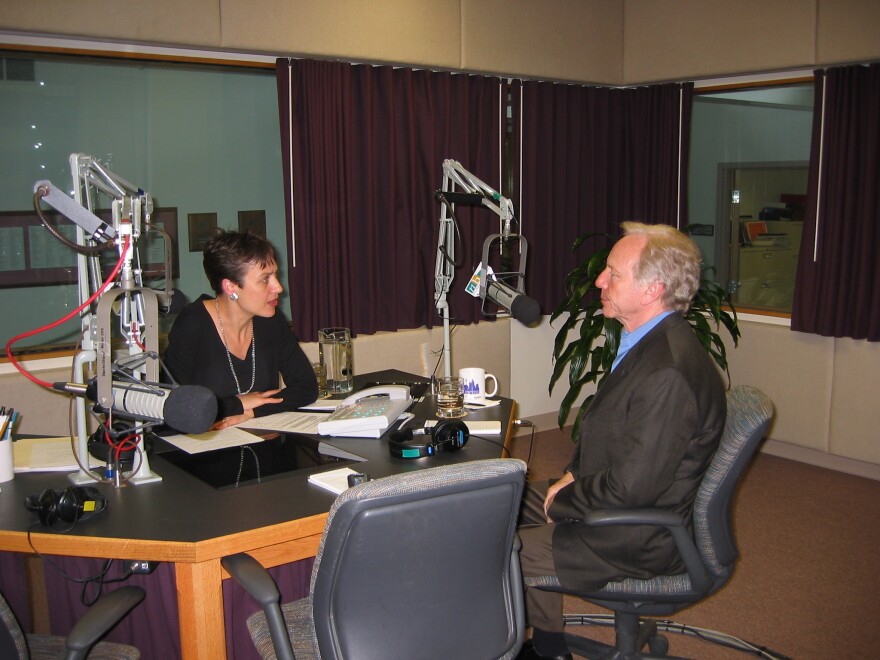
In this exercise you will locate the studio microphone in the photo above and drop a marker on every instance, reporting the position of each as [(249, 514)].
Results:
[(524, 309), (185, 408), (73, 211)]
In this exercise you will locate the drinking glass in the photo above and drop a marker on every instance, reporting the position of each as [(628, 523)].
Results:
[(450, 397), (334, 352), (321, 377)]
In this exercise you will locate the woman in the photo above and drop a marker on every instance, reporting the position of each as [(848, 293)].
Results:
[(237, 344)]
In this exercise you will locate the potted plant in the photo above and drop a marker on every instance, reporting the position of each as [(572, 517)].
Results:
[(589, 355)]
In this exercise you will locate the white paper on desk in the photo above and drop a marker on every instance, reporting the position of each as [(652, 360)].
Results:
[(46, 455), (335, 481), (195, 444), (286, 422), (486, 403), (325, 405)]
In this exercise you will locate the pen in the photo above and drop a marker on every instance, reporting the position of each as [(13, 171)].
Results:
[(10, 426)]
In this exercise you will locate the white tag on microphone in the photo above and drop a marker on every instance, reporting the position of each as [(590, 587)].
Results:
[(473, 285)]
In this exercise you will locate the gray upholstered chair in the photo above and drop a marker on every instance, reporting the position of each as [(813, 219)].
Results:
[(709, 555), (423, 564), (102, 616)]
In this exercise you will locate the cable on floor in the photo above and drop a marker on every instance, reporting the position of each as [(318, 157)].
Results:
[(711, 636)]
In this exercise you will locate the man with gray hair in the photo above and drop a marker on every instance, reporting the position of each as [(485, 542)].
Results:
[(646, 439)]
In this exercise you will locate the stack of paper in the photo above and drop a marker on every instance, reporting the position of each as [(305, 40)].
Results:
[(335, 481), (47, 455)]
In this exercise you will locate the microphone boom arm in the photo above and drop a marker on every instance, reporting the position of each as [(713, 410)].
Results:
[(475, 191), (138, 308)]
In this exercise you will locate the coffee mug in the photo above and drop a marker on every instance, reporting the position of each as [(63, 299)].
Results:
[(474, 380), (7, 471)]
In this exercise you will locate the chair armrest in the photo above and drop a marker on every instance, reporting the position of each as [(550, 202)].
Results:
[(674, 524), (602, 517), (257, 581), (103, 615), (251, 575)]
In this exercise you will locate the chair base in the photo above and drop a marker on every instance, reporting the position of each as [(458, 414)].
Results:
[(632, 634)]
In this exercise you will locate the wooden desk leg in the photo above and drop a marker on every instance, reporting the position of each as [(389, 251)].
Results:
[(200, 604), (38, 598)]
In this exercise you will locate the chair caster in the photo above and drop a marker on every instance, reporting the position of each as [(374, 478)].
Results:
[(658, 645)]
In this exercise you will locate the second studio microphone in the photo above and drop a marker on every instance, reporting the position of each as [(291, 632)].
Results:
[(185, 408), (524, 309)]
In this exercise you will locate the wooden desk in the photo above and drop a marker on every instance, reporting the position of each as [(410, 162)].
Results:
[(184, 521)]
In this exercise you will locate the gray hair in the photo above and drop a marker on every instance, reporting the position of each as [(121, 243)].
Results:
[(671, 258)]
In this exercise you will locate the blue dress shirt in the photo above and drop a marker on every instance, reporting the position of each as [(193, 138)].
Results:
[(630, 339)]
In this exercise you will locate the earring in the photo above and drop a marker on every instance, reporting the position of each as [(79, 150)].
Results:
[(233, 296)]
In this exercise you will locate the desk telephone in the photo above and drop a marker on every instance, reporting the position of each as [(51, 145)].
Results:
[(368, 413)]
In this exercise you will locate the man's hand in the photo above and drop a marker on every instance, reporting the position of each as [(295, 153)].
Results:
[(567, 479)]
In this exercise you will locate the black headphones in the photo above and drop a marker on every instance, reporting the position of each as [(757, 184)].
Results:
[(70, 505), (447, 435)]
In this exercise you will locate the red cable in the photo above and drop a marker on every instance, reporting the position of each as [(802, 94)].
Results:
[(55, 324)]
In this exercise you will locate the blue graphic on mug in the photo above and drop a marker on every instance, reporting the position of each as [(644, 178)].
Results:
[(471, 388)]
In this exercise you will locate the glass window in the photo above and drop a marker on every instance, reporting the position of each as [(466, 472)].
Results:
[(750, 151), (202, 139)]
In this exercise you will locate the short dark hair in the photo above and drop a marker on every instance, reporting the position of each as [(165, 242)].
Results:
[(229, 255)]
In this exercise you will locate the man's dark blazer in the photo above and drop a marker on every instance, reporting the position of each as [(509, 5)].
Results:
[(646, 440)]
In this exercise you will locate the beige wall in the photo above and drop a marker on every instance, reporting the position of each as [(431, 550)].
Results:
[(823, 389), (671, 39), (601, 41), (578, 40)]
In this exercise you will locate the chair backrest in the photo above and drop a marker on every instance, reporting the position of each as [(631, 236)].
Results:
[(12, 640), (422, 565), (749, 412)]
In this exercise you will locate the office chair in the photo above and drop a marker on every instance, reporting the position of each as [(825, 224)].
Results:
[(709, 556), (422, 564), (102, 616)]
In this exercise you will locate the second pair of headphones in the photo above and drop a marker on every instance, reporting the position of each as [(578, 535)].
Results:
[(69, 505), (446, 435)]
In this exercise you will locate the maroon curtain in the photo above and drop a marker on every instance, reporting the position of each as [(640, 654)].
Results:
[(367, 146), (592, 158), (837, 290)]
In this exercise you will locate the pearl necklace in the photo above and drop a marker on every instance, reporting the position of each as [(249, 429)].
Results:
[(229, 356)]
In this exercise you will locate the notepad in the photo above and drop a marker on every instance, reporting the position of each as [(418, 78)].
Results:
[(46, 455), (475, 426), (335, 481)]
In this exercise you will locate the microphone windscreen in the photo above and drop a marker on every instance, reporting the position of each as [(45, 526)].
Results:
[(190, 409), (525, 310)]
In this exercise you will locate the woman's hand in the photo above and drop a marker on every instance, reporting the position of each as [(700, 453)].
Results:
[(567, 479), (250, 402), (232, 420), (254, 400)]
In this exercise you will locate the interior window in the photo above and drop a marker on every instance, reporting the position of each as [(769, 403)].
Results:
[(203, 140), (750, 151)]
